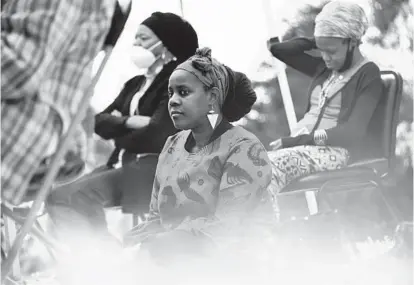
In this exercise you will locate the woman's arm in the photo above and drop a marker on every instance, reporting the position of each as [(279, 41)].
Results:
[(142, 140), (109, 126), (354, 129), (246, 175), (292, 52)]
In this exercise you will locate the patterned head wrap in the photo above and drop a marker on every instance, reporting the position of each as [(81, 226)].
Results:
[(209, 71), (342, 19)]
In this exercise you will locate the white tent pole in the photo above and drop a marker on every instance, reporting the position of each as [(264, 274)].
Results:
[(182, 8), (282, 78)]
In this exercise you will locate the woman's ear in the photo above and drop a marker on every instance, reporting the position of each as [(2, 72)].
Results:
[(213, 96), (167, 56), (353, 43)]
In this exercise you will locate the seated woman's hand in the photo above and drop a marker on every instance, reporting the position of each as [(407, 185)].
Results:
[(137, 122), (277, 144), (142, 232), (116, 113)]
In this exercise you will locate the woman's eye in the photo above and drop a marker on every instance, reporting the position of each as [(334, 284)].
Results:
[(184, 92), (170, 93)]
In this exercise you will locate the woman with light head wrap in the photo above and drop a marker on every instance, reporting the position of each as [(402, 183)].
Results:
[(212, 175), (343, 95)]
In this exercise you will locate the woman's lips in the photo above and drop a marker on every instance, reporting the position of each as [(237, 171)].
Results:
[(175, 113)]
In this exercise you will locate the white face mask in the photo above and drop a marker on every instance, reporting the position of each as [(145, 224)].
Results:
[(143, 58)]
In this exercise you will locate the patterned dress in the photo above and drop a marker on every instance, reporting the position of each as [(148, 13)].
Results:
[(212, 191)]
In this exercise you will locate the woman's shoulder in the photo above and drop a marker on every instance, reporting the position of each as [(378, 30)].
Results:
[(368, 71), (239, 135), (166, 71), (181, 135), (371, 68), (133, 81)]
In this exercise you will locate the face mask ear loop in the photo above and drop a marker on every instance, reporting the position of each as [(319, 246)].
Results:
[(162, 55), (151, 48)]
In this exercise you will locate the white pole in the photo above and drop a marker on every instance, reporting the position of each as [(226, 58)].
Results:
[(182, 8), (282, 78)]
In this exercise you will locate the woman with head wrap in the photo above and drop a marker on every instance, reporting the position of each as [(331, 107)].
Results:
[(142, 125), (212, 176), (343, 95)]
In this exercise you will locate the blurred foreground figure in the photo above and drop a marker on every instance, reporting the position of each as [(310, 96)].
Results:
[(46, 60)]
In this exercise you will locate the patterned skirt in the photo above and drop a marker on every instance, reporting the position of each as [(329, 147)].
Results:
[(291, 163)]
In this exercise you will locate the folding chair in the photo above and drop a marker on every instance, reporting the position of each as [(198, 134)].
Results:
[(28, 223)]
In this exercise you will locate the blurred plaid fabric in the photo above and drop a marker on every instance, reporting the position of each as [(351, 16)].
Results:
[(47, 49)]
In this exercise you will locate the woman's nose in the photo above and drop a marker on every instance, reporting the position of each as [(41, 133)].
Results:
[(325, 57), (174, 100), (138, 42)]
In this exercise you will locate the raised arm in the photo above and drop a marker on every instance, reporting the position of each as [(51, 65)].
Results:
[(293, 53)]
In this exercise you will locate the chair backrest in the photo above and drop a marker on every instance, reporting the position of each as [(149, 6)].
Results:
[(383, 125)]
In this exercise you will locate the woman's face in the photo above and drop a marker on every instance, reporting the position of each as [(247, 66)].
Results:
[(333, 51), (189, 101), (146, 38)]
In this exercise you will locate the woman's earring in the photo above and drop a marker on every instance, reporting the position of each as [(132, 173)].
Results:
[(212, 117)]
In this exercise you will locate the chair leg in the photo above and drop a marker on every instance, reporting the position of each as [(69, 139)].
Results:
[(10, 233), (135, 220), (47, 246)]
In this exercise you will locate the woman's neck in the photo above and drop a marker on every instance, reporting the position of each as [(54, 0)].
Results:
[(357, 58), (155, 67), (202, 134)]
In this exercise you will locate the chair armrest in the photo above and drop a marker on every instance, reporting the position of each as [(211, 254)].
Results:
[(379, 165), (369, 162)]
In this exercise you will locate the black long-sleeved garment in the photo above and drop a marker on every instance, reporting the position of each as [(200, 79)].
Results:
[(360, 97)]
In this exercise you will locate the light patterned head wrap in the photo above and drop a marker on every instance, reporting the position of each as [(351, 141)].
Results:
[(342, 19), (209, 71)]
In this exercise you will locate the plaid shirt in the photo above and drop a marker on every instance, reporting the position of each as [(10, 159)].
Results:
[(47, 48)]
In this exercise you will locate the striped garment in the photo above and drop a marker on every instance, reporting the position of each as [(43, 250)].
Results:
[(47, 48)]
